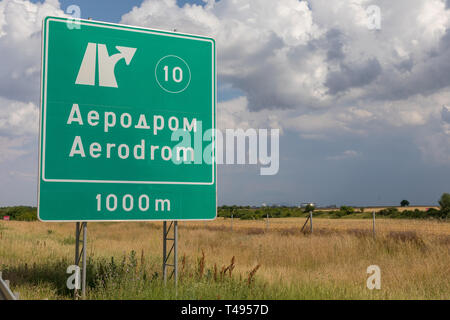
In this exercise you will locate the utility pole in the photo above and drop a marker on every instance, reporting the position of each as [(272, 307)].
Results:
[(373, 223)]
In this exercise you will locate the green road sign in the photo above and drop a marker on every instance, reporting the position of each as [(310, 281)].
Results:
[(127, 122)]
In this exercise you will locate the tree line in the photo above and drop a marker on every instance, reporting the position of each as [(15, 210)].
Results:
[(27, 213), (254, 213)]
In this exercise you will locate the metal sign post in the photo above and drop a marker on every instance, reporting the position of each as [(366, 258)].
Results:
[(80, 255), (5, 291), (167, 227)]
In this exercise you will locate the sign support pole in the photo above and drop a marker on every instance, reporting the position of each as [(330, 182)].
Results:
[(167, 227), (77, 254), (164, 251), (175, 252), (81, 227), (83, 284)]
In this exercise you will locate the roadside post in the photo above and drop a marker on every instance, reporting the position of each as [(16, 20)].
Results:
[(309, 218), (373, 223)]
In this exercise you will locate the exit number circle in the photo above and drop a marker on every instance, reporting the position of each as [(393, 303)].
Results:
[(173, 74)]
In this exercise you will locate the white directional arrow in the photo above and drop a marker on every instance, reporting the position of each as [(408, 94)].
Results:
[(106, 64), (125, 52)]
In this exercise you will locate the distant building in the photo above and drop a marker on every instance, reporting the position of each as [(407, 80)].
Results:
[(304, 204), (6, 218)]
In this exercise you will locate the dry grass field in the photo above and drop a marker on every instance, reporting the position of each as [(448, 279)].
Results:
[(414, 257)]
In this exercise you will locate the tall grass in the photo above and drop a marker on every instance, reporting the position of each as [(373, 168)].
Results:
[(249, 262)]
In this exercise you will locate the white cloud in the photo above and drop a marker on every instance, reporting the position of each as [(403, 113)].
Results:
[(340, 78), (20, 48), (315, 123), (235, 113), (436, 147), (20, 43), (262, 45), (320, 55), (347, 154), (22, 175), (12, 148), (18, 118)]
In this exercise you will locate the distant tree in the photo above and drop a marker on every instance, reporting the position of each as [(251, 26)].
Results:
[(347, 210), (404, 203), (21, 213), (445, 202), (309, 208)]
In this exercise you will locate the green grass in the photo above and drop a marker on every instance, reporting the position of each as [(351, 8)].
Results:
[(130, 279), (127, 279)]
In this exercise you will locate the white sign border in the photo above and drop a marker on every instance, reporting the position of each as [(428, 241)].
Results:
[(127, 28)]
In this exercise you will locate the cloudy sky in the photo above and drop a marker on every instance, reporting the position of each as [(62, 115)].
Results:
[(363, 108)]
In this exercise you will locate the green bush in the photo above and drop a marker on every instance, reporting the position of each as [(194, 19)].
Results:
[(388, 212), (21, 213), (444, 202), (346, 210), (26, 216)]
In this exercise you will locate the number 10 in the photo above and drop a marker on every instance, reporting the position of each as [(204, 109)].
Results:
[(177, 74)]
